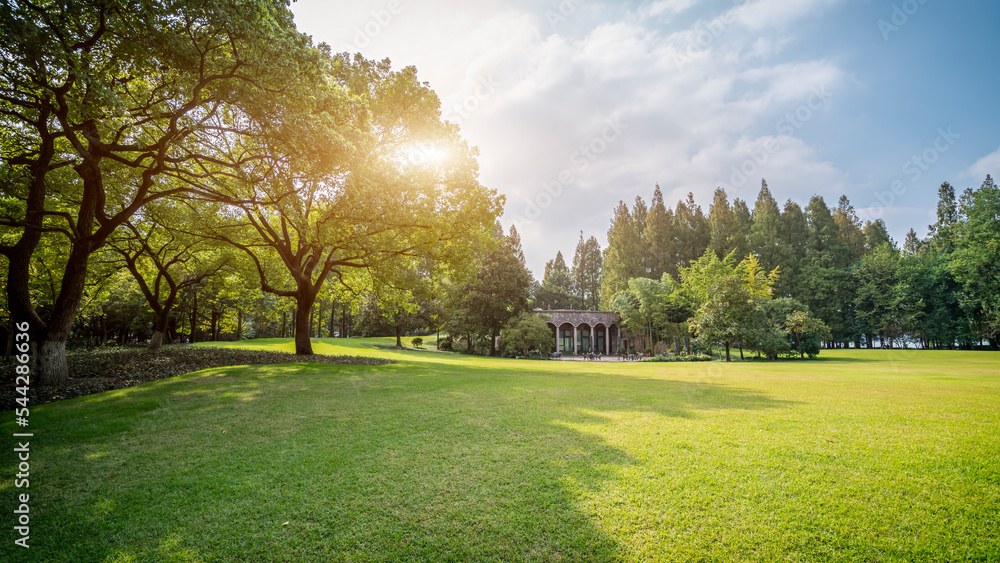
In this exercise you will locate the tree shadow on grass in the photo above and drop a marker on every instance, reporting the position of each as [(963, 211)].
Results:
[(306, 463)]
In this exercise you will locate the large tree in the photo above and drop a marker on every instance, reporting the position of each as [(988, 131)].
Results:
[(99, 100), (587, 272), (659, 237), (399, 185), (764, 232)]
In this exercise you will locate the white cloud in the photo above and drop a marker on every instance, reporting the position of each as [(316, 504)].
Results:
[(989, 164), (685, 126), (668, 8)]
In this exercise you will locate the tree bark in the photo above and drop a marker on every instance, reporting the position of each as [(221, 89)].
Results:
[(52, 368), (399, 341), (303, 307), (727, 352)]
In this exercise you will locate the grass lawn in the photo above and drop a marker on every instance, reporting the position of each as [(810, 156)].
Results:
[(857, 456)]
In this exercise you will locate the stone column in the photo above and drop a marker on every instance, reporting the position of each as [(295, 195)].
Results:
[(574, 340)]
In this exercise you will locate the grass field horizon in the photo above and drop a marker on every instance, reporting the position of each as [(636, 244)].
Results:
[(859, 455)]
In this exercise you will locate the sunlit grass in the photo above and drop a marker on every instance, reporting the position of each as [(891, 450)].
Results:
[(858, 456)]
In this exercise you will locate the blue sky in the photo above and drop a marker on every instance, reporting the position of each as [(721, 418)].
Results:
[(578, 104)]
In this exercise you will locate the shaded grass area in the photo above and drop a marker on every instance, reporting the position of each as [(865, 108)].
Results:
[(95, 370), (864, 456)]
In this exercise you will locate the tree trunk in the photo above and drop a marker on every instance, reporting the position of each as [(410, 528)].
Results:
[(239, 324), (727, 352), (194, 317), (741, 352), (51, 362), (399, 342), (333, 318), (52, 368), (303, 308), (493, 344)]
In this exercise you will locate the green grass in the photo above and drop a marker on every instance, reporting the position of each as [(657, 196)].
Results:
[(857, 456)]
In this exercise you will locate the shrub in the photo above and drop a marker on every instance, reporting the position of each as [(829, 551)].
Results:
[(447, 343), (418, 342), (698, 358)]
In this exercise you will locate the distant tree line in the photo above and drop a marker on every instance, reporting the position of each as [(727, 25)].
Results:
[(939, 291)]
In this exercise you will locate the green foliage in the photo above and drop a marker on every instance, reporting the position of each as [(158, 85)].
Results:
[(587, 273), (691, 358), (975, 263), (527, 332), (623, 258), (417, 341)]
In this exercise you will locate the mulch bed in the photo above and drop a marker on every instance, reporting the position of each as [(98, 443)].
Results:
[(97, 370)]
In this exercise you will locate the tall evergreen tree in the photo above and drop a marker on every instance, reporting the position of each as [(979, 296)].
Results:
[(876, 234), (722, 225), (691, 231), (587, 272), (514, 242), (850, 229), (556, 264), (659, 237), (826, 247), (741, 231), (764, 231), (624, 255), (793, 238)]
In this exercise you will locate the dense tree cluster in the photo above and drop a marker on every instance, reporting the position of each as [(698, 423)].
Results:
[(673, 271), (204, 157)]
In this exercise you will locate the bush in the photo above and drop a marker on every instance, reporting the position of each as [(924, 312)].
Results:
[(447, 343), (698, 358), (418, 342)]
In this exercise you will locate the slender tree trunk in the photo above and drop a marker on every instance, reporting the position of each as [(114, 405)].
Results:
[(399, 342), (741, 352), (239, 324), (727, 352), (194, 318), (333, 318)]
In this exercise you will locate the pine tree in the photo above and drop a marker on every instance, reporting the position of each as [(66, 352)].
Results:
[(850, 229), (514, 242), (764, 231), (793, 237), (741, 231), (826, 248), (557, 263), (876, 234), (659, 237), (587, 273), (722, 225), (624, 255), (691, 231)]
